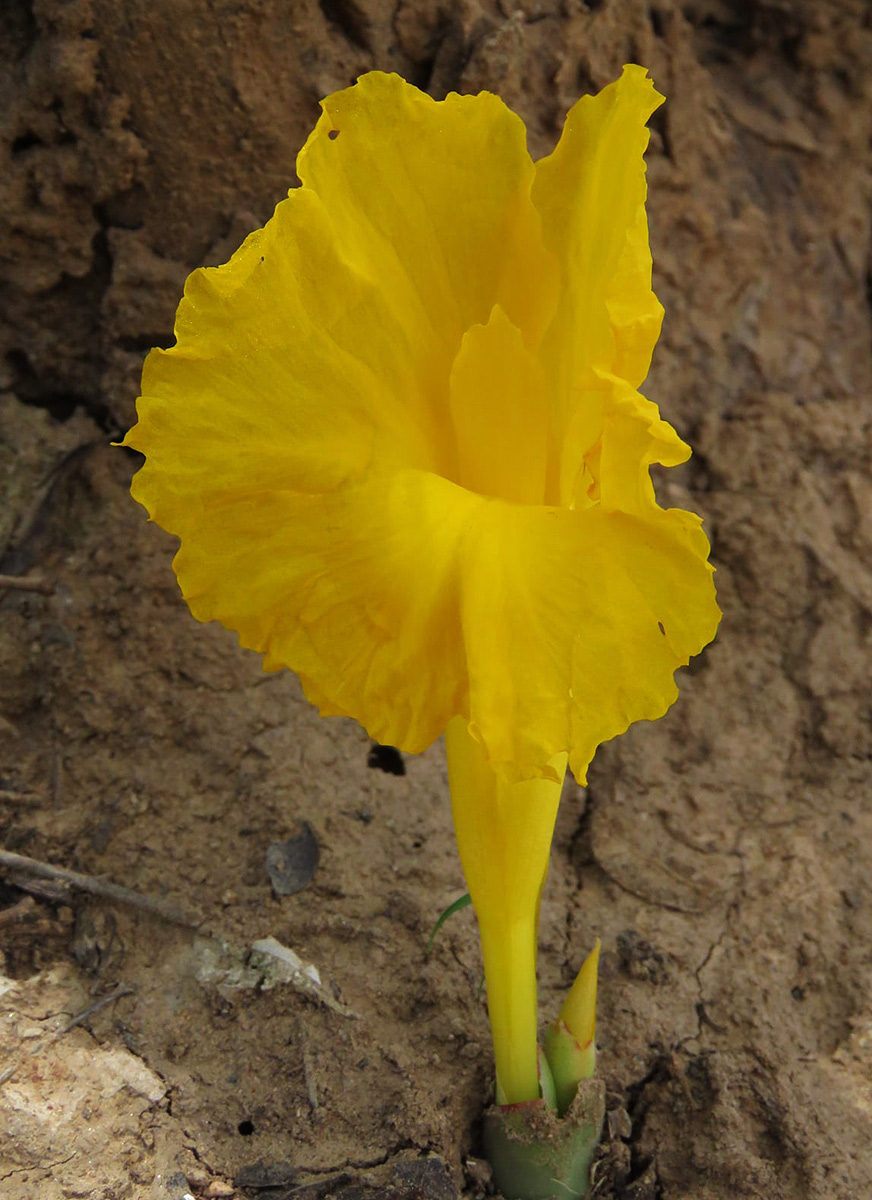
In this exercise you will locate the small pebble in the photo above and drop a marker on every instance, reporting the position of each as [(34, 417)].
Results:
[(292, 863)]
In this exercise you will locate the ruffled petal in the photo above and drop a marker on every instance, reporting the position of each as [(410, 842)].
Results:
[(433, 199), (575, 623), (654, 609), (328, 340), (591, 193), (356, 590), (287, 373), (404, 600), (633, 437)]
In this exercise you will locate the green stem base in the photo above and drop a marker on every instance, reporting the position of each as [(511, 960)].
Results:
[(537, 1155)]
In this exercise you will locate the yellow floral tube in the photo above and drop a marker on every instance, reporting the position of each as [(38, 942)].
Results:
[(504, 833)]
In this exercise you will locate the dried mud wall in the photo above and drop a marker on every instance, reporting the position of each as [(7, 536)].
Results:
[(722, 855)]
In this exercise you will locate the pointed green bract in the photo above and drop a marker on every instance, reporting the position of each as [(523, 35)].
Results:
[(569, 1041), (569, 1063)]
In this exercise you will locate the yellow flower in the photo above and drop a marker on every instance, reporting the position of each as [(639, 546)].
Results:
[(401, 442)]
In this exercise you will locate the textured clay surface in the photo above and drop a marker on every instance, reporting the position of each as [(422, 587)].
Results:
[(722, 854)]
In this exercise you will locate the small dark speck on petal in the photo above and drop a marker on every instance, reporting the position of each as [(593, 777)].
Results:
[(660, 627), (333, 135), (262, 259)]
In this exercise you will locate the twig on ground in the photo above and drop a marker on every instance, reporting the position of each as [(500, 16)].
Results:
[(43, 889), (56, 779), (18, 911), (13, 797), (122, 989), (164, 909), (28, 583), (308, 1075)]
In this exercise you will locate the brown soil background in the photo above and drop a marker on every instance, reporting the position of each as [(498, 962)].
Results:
[(722, 854)]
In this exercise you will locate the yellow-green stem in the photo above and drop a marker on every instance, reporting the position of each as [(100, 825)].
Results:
[(509, 953), (504, 833)]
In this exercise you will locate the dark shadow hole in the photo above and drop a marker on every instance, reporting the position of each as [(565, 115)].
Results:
[(27, 141), (351, 18), (246, 1128), (387, 759)]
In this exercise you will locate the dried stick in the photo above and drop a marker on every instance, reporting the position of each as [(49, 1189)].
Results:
[(164, 909), (30, 798), (122, 989), (27, 583), (17, 912), (308, 1075)]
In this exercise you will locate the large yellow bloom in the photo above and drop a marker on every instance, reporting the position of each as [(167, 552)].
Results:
[(400, 439)]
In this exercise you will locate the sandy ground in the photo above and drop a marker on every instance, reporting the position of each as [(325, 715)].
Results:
[(722, 854)]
